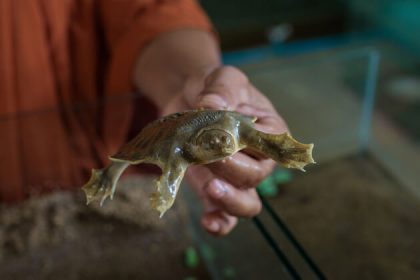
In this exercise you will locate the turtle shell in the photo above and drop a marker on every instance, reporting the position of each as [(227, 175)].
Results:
[(155, 140)]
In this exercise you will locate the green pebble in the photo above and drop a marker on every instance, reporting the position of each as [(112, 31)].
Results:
[(191, 258), (268, 188), (282, 176)]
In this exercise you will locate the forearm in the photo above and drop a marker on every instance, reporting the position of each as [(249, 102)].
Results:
[(164, 67)]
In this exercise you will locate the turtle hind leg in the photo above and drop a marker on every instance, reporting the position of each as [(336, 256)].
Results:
[(103, 182), (167, 186)]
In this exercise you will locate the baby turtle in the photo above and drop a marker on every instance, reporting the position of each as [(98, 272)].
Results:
[(193, 137)]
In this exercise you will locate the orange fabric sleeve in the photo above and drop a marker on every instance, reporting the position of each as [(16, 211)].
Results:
[(129, 26)]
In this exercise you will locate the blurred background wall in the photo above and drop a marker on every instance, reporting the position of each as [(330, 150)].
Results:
[(399, 19), (244, 23)]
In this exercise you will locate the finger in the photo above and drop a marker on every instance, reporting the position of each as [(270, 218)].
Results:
[(214, 220), (268, 119), (218, 222), (272, 124), (234, 201), (242, 170), (225, 88)]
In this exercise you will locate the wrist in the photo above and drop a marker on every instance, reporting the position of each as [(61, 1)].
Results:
[(174, 62), (186, 94)]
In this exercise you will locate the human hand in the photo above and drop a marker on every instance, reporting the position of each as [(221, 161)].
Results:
[(227, 188), (181, 70)]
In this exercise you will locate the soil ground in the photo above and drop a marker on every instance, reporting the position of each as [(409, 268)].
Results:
[(58, 237), (354, 220)]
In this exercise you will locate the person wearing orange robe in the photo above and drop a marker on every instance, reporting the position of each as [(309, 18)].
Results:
[(79, 78)]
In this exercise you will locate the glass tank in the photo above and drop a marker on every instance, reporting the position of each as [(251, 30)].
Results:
[(353, 210), (327, 99)]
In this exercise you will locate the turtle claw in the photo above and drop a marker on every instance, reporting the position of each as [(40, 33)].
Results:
[(99, 187), (159, 202)]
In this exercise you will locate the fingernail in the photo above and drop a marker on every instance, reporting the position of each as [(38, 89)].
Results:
[(212, 226), (217, 189), (212, 101)]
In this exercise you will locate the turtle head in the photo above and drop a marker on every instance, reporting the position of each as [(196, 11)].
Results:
[(214, 144)]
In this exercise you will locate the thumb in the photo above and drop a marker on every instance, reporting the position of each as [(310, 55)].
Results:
[(213, 101), (225, 88)]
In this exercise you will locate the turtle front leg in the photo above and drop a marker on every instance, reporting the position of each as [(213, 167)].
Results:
[(168, 185), (282, 148), (103, 182)]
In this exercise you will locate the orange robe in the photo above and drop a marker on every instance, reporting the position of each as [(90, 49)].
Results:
[(66, 94)]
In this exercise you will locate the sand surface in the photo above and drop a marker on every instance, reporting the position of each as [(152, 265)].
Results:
[(354, 220), (58, 237)]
